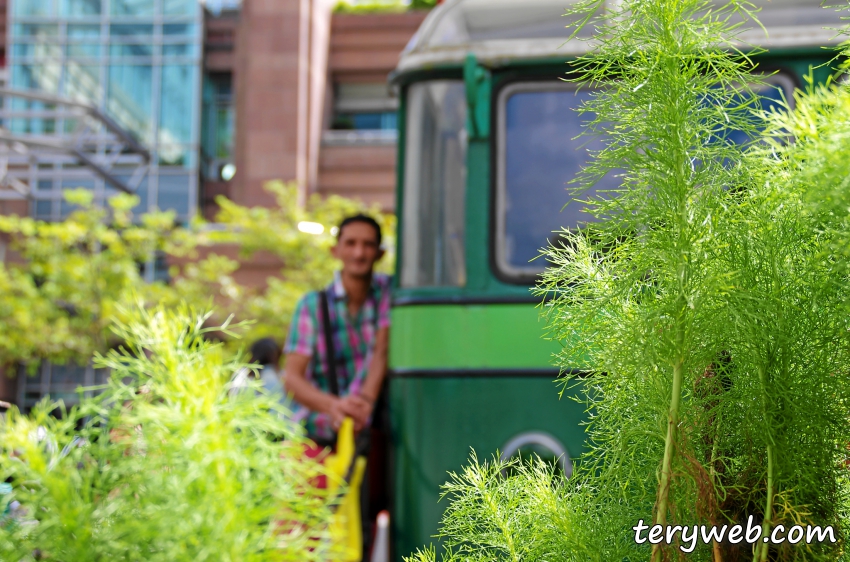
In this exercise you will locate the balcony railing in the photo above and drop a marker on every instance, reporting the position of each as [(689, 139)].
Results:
[(359, 137)]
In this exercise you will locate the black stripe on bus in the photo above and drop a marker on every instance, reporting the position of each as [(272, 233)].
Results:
[(470, 300), (466, 373)]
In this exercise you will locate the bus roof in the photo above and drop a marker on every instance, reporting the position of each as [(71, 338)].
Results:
[(498, 32)]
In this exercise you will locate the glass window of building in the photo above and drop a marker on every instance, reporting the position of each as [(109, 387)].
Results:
[(433, 208), (59, 382), (218, 126), (138, 61), (364, 107)]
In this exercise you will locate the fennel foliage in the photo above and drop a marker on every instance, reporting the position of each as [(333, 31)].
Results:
[(707, 296)]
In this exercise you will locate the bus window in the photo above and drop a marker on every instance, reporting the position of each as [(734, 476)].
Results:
[(776, 90), (538, 154), (434, 186)]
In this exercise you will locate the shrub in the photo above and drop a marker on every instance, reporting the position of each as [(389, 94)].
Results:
[(165, 464), (708, 298)]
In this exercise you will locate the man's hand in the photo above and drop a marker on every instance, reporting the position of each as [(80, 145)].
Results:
[(355, 407)]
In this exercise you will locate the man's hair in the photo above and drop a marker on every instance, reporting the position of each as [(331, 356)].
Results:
[(265, 352), (359, 218)]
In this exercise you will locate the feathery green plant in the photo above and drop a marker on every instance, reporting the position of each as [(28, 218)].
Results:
[(637, 294), (789, 317), (709, 300), (165, 464)]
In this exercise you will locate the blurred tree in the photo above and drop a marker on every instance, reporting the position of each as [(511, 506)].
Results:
[(148, 471), (76, 276), (382, 6)]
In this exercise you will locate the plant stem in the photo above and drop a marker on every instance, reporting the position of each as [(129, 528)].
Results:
[(669, 446), (715, 546), (760, 554)]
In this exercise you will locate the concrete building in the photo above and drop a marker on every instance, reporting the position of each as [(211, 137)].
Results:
[(308, 102), (311, 100), (282, 89)]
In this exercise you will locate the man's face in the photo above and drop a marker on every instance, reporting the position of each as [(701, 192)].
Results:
[(357, 249)]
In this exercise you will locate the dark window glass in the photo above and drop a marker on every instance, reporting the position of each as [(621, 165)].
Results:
[(130, 30), (179, 7), (366, 121), (24, 50), (34, 8), (173, 29), (72, 183), (42, 31), (129, 98), (224, 133), (433, 212), (84, 31), (173, 193), (176, 104), (540, 152), (179, 50), (131, 50), (50, 51), (43, 210), (160, 269), (84, 50), (218, 121), (538, 155)]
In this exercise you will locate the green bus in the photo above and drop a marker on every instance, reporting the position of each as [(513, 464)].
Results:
[(487, 144)]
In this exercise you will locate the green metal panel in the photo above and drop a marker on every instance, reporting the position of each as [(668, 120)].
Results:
[(469, 336), (437, 420)]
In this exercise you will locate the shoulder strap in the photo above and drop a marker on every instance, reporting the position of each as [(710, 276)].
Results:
[(333, 382)]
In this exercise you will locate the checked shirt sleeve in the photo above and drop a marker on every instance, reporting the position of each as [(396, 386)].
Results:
[(302, 330)]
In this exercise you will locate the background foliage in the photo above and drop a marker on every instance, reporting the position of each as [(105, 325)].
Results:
[(382, 6), (73, 278), (166, 465)]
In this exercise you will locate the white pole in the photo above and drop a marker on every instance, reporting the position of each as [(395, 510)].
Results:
[(381, 548)]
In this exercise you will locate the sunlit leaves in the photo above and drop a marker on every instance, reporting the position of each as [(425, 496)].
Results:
[(708, 300), (166, 465), (74, 276)]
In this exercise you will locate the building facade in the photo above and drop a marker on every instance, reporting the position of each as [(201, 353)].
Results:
[(139, 62), (224, 95), (311, 101)]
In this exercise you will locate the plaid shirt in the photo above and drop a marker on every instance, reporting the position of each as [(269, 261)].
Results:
[(353, 338)]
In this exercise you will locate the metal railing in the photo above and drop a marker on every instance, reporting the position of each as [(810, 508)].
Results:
[(71, 132)]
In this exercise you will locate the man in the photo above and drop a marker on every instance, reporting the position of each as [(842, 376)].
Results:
[(358, 304)]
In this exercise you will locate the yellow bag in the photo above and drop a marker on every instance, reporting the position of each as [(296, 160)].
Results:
[(346, 527)]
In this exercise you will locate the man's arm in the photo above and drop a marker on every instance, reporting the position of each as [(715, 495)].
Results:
[(306, 394), (377, 367)]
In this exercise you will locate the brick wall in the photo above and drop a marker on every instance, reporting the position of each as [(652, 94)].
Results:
[(364, 48)]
